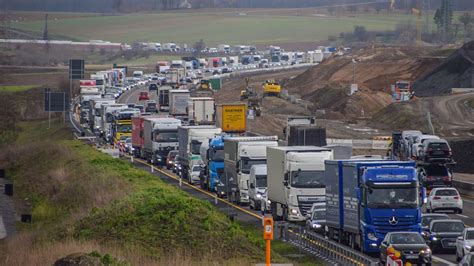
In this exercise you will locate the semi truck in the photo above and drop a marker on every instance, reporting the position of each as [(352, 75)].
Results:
[(212, 155), (164, 98), (240, 153), (201, 110), (95, 112), (107, 112), (190, 140), (160, 136), (122, 124), (366, 199), (295, 180), (178, 102)]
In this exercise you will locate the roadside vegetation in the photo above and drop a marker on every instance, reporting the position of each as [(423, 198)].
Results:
[(15, 88), (82, 200)]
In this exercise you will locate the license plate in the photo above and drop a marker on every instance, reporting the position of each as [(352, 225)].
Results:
[(447, 204), (450, 243), (411, 256)]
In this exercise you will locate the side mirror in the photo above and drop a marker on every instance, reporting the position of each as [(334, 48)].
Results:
[(423, 196), (358, 194), (252, 186), (286, 177), (460, 238), (285, 183)]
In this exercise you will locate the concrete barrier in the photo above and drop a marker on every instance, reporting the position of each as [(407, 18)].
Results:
[(464, 188)]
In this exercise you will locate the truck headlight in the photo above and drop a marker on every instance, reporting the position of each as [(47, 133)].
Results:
[(467, 247), (372, 236), (269, 202), (258, 196), (316, 226), (433, 238), (294, 211), (425, 252)]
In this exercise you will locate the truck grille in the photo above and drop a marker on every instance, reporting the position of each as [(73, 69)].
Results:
[(383, 226), (306, 202)]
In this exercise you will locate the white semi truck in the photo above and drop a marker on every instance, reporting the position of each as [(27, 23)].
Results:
[(240, 153), (295, 180), (160, 136)]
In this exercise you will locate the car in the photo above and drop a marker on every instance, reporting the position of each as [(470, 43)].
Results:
[(140, 107), (193, 176), (464, 243), (170, 160), (411, 245), (265, 208), (150, 107), (143, 96), (153, 87), (436, 150), (316, 218), (446, 198), (128, 146), (442, 234), (467, 260), (418, 143), (435, 175), (426, 219)]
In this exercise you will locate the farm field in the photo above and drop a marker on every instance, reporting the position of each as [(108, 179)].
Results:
[(230, 26)]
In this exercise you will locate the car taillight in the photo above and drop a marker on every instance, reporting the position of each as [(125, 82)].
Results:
[(448, 152), (446, 178), (436, 198), (429, 177), (456, 197)]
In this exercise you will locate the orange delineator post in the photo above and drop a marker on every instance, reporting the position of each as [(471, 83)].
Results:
[(268, 236)]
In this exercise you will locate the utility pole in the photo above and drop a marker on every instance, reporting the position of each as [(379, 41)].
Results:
[(45, 31)]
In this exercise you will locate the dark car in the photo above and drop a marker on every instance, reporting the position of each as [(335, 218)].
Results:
[(442, 234), (411, 245), (436, 150), (153, 87), (140, 107), (170, 160), (426, 219), (150, 107), (435, 175)]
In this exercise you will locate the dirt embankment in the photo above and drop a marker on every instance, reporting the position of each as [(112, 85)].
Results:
[(327, 85), (457, 71)]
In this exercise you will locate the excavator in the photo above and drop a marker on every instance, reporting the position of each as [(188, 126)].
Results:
[(271, 87), (253, 99), (248, 91)]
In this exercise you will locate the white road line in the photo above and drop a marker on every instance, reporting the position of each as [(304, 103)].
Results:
[(463, 216), (445, 262), (3, 231)]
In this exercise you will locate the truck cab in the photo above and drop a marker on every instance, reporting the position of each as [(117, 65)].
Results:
[(257, 185), (122, 124)]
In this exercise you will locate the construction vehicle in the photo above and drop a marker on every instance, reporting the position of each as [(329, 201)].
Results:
[(253, 103), (271, 87), (248, 92), (402, 91)]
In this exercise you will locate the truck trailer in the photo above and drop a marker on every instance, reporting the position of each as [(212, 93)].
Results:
[(160, 136), (201, 111), (178, 102)]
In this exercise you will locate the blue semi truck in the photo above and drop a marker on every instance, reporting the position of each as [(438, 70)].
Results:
[(213, 157), (367, 199)]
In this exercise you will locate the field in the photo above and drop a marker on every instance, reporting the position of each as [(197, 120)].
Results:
[(234, 27), (15, 88)]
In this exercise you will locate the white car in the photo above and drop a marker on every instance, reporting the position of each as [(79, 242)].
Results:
[(445, 198), (464, 243), (195, 171), (418, 141), (265, 208)]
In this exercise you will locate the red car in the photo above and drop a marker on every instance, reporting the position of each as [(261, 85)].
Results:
[(143, 96)]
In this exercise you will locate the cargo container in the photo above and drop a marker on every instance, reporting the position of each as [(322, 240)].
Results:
[(178, 102), (201, 111), (232, 118)]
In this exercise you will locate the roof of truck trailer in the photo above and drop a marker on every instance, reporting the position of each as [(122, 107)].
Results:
[(251, 138), (198, 127), (378, 162), (301, 148)]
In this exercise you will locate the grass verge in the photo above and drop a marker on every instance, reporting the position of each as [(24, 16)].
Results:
[(16, 88), (83, 201)]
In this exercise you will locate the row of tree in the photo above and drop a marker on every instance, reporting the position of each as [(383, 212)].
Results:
[(109, 6)]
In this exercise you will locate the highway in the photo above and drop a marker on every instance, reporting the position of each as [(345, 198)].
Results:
[(246, 215)]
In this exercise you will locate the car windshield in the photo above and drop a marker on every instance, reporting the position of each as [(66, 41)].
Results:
[(391, 197), (195, 147), (470, 235), (172, 154), (166, 136), (426, 220), (447, 192), (447, 227), (196, 168), (307, 179), (439, 146), (261, 181), (216, 155), (318, 214), (406, 238), (124, 128), (437, 170), (129, 140), (247, 163)]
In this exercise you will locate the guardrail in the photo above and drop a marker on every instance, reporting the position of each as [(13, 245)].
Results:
[(319, 246), (361, 143)]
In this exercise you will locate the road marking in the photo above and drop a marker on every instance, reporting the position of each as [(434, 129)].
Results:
[(445, 262), (198, 189), (3, 231), (463, 216)]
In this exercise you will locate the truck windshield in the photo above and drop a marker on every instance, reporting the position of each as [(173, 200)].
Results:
[(195, 146), (124, 128), (247, 164), (261, 181), (216, 155), (307, 179), (392, 197), (166, 136)]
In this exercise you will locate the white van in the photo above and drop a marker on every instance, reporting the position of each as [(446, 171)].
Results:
[(257, 185)]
